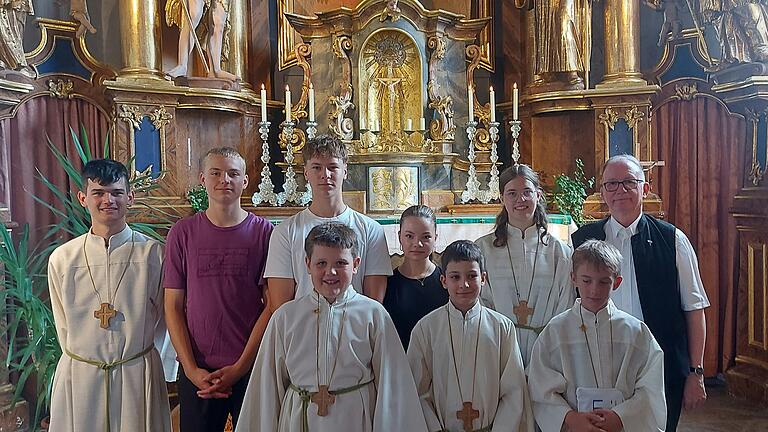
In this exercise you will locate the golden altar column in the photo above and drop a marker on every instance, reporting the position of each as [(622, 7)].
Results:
[(238, 40), (622, 44), (140, 32)]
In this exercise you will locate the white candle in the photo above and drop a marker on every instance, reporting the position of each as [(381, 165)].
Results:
[(189, 152), (311, 102), (375, 126), (515, 96), (409, 125), (287, 103), (362, 122), (471, 102), (493, 105), (422, 124), (263, 103)]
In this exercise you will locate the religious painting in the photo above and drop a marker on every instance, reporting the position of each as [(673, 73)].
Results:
[(288, 38), (392, 189)]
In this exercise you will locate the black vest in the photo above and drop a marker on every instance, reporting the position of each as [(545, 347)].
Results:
[(653, 252)]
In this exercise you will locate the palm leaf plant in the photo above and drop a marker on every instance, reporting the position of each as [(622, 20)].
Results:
[(33, 349)]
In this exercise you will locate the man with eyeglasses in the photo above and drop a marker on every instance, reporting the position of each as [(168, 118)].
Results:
[(661, 286)]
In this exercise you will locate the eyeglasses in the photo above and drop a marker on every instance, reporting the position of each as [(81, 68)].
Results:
[(628, 184), (526, 194)]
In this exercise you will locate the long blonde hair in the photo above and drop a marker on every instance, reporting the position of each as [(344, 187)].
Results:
[(539, 215)]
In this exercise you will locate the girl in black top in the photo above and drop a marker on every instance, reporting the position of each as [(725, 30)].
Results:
[(414, 289)]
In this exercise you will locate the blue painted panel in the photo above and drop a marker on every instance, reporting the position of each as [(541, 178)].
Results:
[(684, 65), (620, 139), (762, 141), (147, 144), (64, 60)]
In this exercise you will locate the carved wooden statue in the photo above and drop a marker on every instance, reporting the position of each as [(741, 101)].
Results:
[(201, 21), (13, 17), (562, 42), (741, 28)]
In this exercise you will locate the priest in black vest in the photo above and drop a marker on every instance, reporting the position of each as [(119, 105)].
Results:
[(661, 286)]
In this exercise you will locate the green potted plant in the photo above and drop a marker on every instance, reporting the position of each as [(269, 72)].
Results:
[(570, 193)]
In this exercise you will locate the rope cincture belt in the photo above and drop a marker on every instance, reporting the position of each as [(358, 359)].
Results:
[(306, 397), (536, 330), (107, 367)]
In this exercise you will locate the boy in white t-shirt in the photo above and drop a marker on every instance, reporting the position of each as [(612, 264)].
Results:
[(325, 168)]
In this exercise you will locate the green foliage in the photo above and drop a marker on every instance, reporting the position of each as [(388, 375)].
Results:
[(34, 349), (198, 198), (570, 192), (33, 346)]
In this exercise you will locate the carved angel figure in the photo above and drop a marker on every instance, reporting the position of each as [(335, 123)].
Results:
[(213, 32)]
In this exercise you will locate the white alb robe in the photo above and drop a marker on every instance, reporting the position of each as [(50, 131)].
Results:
[(552, 291), (369, 349), (501, 392), (561, 363), (138, 399)]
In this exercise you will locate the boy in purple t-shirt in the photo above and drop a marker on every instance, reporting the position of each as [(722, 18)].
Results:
[(214, 286)]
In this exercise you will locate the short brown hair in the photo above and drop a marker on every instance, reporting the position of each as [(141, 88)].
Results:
[(227, 152), (325, 146), (600, 254), (331, 234), (462, 250)]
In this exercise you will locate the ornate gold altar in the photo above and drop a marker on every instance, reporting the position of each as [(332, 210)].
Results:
[(394, 76)]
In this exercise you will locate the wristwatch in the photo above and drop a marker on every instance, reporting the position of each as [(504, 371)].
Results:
[(698, 370)]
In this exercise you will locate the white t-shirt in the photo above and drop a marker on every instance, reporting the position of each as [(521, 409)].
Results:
[(286, 248), (627, 297)]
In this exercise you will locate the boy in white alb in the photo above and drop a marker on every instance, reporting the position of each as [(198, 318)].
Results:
[(465, 357), (108, 310), (325, 168), (331, 360), (594, 367)]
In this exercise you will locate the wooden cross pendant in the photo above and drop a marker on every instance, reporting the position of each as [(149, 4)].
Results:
[(467, 415), (104, 313), (323, 399), (522, 312)]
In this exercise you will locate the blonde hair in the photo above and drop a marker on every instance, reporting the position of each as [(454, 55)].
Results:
[(600, 254), (227, 152)]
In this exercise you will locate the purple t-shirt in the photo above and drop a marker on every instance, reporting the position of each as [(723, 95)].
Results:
[(222, 271)]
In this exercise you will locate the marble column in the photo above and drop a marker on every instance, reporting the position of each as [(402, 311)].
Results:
[(140, 22), (622, 44), (238, 40)]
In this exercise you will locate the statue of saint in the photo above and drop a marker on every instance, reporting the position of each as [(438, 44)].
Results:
[(741, 27), (13, 17), (213, 31), (562, 37)]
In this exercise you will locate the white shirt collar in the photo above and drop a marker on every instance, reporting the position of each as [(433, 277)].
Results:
[(602, 315), (345, 295), (114, 241), (531, 234), (614, 227), (471, 313)]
